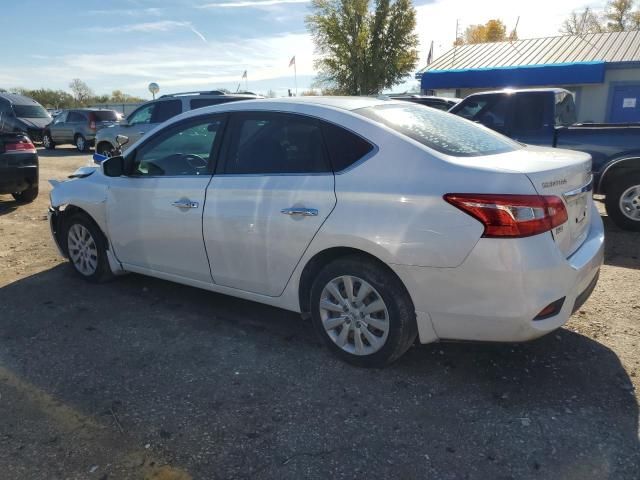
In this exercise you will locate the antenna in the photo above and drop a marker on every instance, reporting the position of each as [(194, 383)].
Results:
[(455, 43)]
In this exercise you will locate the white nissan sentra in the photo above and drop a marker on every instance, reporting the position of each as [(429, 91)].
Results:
[(383, 221)]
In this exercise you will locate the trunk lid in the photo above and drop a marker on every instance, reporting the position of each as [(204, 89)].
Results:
[(552, 171)]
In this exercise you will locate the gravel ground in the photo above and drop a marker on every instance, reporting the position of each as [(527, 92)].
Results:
[(145, 379)]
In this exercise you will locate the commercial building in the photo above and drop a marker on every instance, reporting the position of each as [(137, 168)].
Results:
[(601, 69)]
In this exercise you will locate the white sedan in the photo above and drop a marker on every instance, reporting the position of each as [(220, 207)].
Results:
[(383, 221)]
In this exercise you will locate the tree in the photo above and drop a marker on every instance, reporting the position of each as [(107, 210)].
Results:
[(619, 15), (493, 31), (582, 23), (362, 52), (81, 90)]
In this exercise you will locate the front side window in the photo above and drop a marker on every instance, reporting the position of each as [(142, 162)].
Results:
[(439, 130), (60, 118), (142, 115), (275, 143), (183, 150)]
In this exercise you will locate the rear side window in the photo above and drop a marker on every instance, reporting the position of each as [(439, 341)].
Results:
[(203, 102), (530, 113), (274, 143), (75, 117), (165, 110), (345, 148), (105, 116), (440, 131)]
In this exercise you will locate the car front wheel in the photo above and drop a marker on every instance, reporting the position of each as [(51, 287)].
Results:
[(86, 248), (363, 312), (623, 202), (28, 195)]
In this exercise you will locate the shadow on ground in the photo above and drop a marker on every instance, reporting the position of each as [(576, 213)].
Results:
[(225, 388)]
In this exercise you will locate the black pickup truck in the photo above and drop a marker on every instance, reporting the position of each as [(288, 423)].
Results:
[(547, 117), (18, 167)]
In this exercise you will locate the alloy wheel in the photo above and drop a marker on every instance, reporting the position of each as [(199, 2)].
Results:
[(83, 251), (80, 143), (354, 315), (630, 203)]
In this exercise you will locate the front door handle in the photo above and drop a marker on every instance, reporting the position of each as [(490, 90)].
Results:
[(304, 212), (185, 204)]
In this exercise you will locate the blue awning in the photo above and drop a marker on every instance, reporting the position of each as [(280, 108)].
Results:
[(517, 76)]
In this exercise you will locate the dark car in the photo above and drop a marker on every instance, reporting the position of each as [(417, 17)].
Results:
[(441, 103), (18, 167), (78, 126), (547, 117), (22, 114)]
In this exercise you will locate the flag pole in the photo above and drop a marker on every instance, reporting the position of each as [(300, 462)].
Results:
[(246, 82), (295, 76)]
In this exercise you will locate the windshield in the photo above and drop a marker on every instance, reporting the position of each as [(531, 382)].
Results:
[(105, 116), (30, 111), (441, 131)]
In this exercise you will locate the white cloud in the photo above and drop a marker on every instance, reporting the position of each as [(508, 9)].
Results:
[(161, 26), (250, 3)]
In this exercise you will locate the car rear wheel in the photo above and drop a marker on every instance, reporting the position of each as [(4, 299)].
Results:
[(81, 144), (47, 141), (623, 202), (363, 312), (86, 248), (28, 195)]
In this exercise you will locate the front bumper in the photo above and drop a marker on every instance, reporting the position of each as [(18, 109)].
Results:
[(502, 286)]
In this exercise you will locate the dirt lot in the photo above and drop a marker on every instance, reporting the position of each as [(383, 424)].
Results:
[(141, 378)]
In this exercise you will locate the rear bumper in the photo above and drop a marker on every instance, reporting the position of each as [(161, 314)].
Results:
[(17, 179), (502, 286)]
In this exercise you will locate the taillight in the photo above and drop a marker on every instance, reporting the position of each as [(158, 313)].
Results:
[(23, 146), (92, 121), (511, 215)]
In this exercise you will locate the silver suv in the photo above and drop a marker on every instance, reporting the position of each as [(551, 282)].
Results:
[(78, 126), (152, 113)]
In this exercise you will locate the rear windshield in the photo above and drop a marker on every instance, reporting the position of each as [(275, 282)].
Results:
[(105, 116), (441, 131), (30, 111)]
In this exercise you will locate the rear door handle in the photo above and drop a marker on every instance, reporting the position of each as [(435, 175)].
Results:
[(301, 211), (185, 204)]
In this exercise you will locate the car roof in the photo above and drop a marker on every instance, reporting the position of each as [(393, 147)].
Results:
[(519, 90), (18, 99), (343, 103)]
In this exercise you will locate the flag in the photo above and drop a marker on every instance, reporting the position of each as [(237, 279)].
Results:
[(292, 61), (430, 55), (244, 75)]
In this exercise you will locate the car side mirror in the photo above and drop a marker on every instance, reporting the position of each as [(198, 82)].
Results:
[(122, 140), (117, 166)]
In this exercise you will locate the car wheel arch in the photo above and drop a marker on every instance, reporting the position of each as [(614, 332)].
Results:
[(614, 169), (63, 214), (322, 258)]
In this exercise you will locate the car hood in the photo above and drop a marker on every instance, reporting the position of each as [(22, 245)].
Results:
[(37, 123)]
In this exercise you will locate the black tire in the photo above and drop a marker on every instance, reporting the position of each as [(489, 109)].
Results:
[(81, 143), (28, 195), (402, 326), (104, 148), (47, 141), (616, 190), (102, 272)]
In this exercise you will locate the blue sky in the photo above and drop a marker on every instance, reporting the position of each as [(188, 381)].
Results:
[(198, 44)]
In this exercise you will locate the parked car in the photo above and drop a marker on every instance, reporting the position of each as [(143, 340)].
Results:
[(18, 167), (548, 117), (78, 126), (149, 115), (441, 103), (382, 220), (22, 114)]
